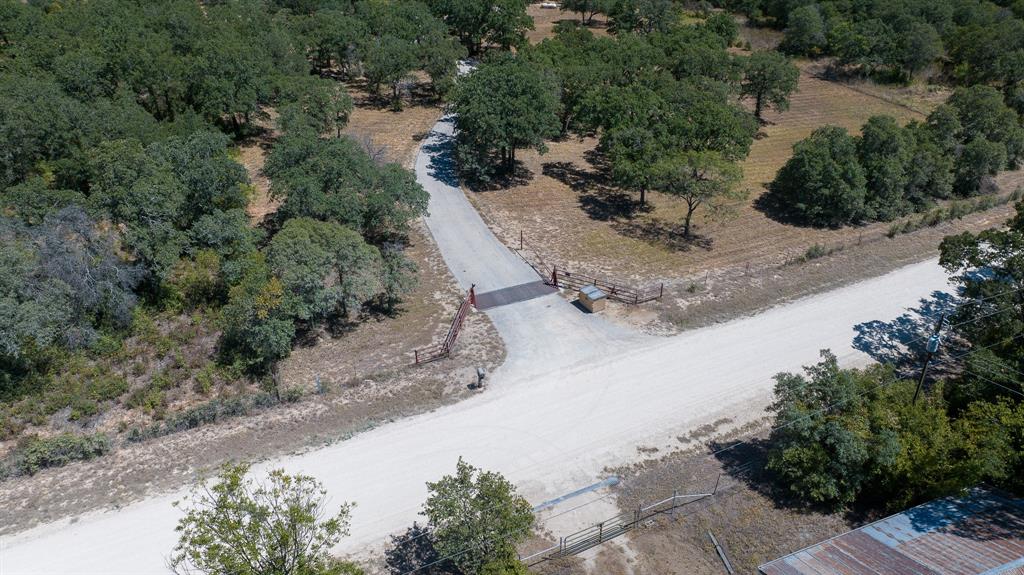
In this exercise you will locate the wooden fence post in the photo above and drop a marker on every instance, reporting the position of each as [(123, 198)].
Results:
[(472, 295)]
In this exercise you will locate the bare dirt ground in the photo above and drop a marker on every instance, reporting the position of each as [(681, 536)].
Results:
[(366, 370), (545, 19), (751, 526)]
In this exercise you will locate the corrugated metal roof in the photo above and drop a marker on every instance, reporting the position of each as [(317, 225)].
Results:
[(981, 533)]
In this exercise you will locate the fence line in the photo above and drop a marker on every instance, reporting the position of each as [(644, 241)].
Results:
[(610, 528), (444, 349), (563, 278)]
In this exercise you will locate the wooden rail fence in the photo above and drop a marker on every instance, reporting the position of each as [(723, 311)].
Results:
[(444, 349), (565, 279)]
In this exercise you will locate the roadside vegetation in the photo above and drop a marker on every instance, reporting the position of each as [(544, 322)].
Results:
[(287, 525), (138, 285)]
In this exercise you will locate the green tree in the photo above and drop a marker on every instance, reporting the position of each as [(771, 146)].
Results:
[(992, 312), (278, 527), (769, 78), (633, 153), (505, 105), (977, 163), (258, 326), (805, 31), (644, 16), (316, 103), (700, 179), (478, 23), (587, 9), (829, 443), (918, 47), (334, 179), (984, 115), (884, 151), (389, 61), (324, 268), (929, 172), (477, 518), (822, 184)]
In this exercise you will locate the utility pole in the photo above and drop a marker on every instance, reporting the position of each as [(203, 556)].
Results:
[(930, 348)]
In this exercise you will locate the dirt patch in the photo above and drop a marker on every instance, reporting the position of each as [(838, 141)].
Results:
[(395, 134), (545, 19)]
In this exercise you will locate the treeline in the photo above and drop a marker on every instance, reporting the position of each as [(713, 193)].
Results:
[(888, 171), (120, 190), (663, 99), (967, 41), (858, 437)]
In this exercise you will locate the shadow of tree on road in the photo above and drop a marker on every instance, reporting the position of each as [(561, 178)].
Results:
[(442, 165), (414, 551), (901, 341)]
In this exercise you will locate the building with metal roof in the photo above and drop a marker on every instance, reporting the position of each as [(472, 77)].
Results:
[(981, 533)]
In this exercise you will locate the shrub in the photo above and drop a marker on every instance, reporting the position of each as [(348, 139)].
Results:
[(36, 453)]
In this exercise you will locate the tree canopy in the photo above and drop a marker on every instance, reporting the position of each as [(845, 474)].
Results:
[(769, 79), (958, 151), (504, 105), (477, 519), (282, 526)]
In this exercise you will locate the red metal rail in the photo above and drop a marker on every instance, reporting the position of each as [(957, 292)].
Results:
[(626, 294), (444, 349)]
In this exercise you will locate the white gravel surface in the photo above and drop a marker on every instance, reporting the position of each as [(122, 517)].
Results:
[(576, 396)]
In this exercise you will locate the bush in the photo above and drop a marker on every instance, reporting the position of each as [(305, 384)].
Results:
[(36, 453), (211, 412)]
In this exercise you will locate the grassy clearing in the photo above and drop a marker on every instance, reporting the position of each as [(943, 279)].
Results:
[(571, 216)]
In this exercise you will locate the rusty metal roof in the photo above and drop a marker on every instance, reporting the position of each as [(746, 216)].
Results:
[(981, 533)]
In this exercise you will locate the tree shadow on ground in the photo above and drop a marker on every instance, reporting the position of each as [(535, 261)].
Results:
[(774, 209), (504, 179), (414, 551), (413, 94), (901, 341), (662, 234), (597, 197)]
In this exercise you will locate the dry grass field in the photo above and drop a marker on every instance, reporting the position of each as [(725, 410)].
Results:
[(569, 215)]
